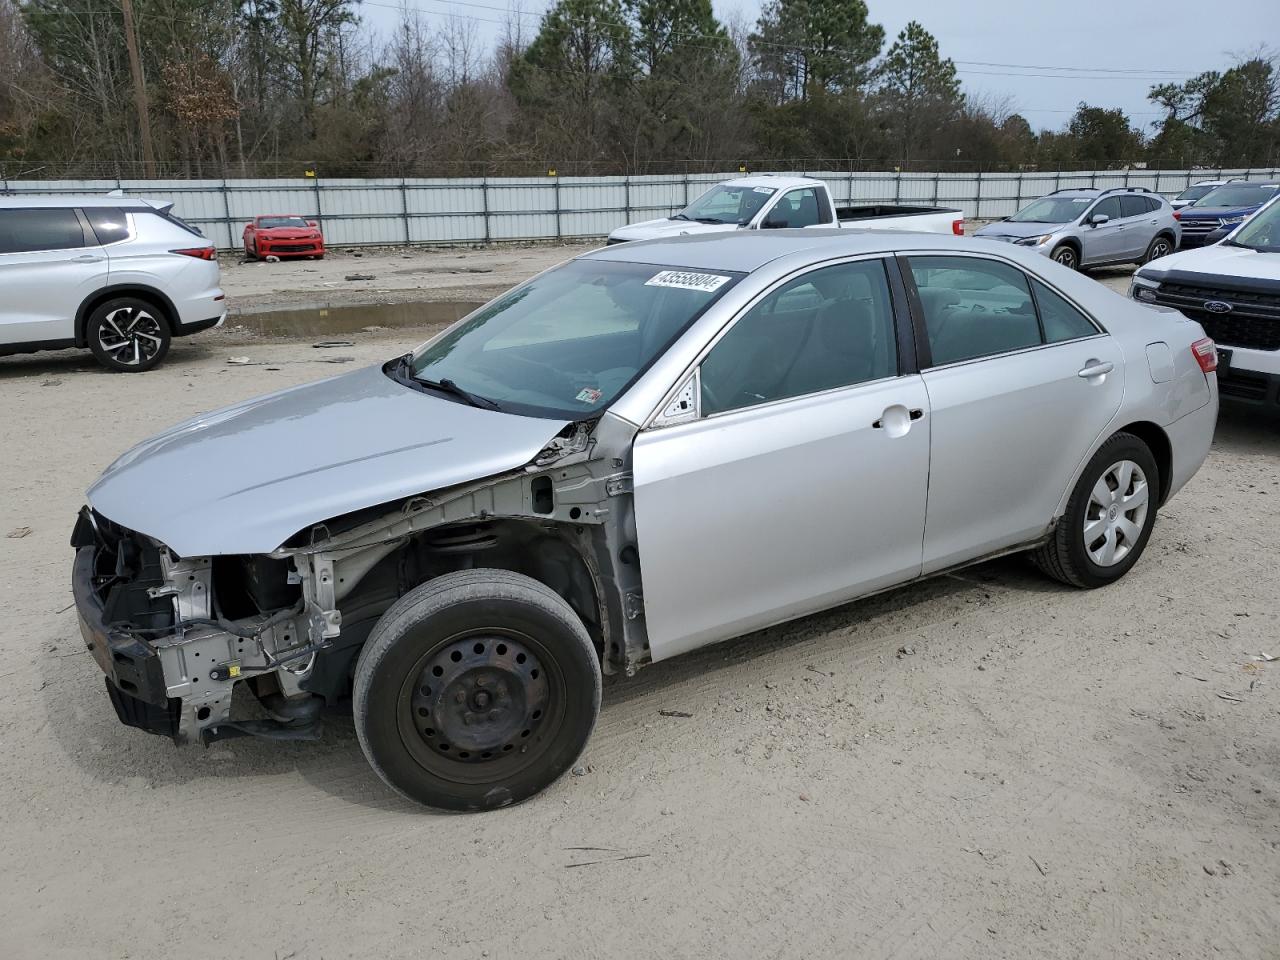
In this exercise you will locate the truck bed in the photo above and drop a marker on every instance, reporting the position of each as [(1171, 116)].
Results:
[(877, 210)]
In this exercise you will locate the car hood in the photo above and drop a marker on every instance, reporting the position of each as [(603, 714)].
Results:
[(665, 227), (1216, 262), (246, 478), (1192, 212), (287, 233), (1012, 230)]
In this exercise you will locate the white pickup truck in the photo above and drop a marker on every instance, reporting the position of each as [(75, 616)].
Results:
[(766, 202)]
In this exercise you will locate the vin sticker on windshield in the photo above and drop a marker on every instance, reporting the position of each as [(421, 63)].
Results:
[(706, 282), (589, 395)]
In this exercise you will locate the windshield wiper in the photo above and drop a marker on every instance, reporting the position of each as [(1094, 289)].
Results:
[(708, 220), (445, 385), (677, 216)]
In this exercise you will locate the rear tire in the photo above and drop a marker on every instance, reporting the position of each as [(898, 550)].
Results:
[(1066, 255), (127, 335), (1108, 519), (1161, 246), (476, 690)]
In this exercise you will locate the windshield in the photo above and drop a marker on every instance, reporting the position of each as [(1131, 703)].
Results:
[(568, 342), (1052, 210), (294, 223), (727, 204), (1238, 195), (1195, 193), (1261, 231)]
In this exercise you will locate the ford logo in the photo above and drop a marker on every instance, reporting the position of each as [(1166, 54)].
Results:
[(1217, 306)]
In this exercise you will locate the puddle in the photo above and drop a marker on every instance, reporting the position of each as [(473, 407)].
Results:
[(319, 319)]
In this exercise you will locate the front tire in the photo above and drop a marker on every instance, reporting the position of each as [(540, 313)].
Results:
[(1108, 519), (1066, 255), (476, 690), (127, 335)]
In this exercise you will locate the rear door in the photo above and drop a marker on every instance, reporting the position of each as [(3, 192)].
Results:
[(1139, 224), (1021, 384), (49, 264), (801, 480)]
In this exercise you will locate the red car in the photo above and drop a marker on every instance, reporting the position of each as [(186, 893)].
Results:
[(283, 235)]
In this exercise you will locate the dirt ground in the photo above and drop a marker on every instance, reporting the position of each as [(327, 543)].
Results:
[(984, 765)]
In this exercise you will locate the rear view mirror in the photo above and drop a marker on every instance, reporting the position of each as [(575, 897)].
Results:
[(312, 223), (1098, 219)]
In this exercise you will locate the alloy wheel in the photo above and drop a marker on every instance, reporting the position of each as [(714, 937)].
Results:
[(1066, 256), (1116, 513), (130, 336)]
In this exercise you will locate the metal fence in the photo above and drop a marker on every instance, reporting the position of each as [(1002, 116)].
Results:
[(389, 211)]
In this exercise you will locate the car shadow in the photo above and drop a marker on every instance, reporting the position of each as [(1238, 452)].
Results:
[(55, 363), (84, 724)]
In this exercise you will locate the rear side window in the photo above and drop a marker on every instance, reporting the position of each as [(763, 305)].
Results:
[(110, 225), (170, 217), (24, 231), (832, 327), (800, 208), (1061, 320), (1153, 204), (974, 308), (1134, 206)]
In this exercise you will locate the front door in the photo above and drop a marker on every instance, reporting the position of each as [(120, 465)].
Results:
[(46, 272), (802, 481), (1106, 241)]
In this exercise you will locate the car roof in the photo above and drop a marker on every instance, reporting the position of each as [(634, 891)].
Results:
[(749, 250), (772, 180), (29, 200)]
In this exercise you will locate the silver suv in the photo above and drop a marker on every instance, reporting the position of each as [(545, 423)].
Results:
[(117, 275), (1093, 228)]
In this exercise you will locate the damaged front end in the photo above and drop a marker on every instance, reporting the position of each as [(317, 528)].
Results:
[(173, 649)]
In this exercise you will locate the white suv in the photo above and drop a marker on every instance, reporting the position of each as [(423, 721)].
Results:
[(119, 276)]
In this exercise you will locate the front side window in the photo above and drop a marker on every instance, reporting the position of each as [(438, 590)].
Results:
[(570, 341), (832, 327), (974, 308), (798, 208), (31, 231), (1109, 208)]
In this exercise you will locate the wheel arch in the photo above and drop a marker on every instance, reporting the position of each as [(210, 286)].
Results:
[(1161, 448), (160, 301)]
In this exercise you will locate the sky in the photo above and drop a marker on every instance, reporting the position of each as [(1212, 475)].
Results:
[(1040, 58)]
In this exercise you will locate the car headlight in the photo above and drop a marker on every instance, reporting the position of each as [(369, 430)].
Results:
[(1143, 289), (1033, 241), (1230, 220)]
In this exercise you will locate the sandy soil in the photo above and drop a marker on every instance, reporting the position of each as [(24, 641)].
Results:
[(399, 275), (984, 765)]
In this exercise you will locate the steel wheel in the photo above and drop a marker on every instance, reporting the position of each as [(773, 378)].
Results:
[(1066, 256), (1116, 513), (475, 709)]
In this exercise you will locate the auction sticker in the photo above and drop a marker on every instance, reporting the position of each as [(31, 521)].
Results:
[(682, 280), (589, 395)]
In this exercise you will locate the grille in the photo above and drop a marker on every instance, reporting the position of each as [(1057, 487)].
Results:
[(1200, 226), (292, 247), (1253, 322), (1243, 386)]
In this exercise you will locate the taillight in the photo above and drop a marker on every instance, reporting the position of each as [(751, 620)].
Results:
[(1206, 354), (1177, 214), (957, 227), (200, 253)]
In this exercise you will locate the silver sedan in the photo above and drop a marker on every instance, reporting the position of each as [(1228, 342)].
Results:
[(651, 448)]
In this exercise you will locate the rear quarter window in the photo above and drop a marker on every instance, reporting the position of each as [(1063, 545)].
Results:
[(110, 225), (31, 231)]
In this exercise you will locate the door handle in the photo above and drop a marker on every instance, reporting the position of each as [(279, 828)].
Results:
[(896, 420), (1095, 368), (87, 258)]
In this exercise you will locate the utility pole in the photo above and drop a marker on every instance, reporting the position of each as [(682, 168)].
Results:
[(139, 89)]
